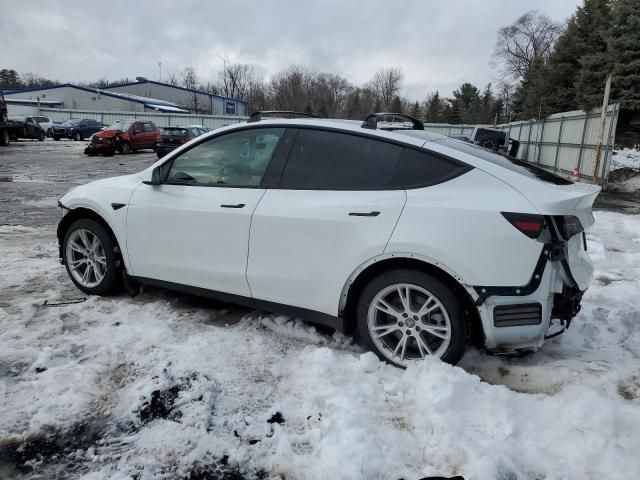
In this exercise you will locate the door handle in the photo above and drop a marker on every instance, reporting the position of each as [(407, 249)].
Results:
[(364, 214), (237, 205)]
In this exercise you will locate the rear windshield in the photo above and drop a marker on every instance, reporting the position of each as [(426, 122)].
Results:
[(175, 132), (520, 166)]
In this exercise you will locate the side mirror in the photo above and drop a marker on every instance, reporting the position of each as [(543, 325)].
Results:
[(155, 177)]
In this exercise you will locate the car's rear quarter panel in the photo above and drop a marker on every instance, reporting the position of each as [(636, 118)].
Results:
[(458, 224)]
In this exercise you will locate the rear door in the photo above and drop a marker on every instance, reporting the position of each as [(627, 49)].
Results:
[(333, 209)]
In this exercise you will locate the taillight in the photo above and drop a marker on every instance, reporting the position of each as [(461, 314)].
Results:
[(568, 225), (528, 223)]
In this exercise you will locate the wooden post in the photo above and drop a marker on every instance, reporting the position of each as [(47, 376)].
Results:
[(603, 121)]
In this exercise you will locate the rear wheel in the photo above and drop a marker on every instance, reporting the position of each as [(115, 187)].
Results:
[(90, 257), (4, 137), (41, 136), (407, 315)]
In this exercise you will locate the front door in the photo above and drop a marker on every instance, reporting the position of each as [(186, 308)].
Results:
[(193, 229)]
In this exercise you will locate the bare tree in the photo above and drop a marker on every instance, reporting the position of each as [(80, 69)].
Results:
[(292, 89), (530, 36), (386, 84), (173, 78), (190, 81), (235, 78)]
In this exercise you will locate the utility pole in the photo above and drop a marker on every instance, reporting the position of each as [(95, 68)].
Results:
[(160, 67), (603, 121)]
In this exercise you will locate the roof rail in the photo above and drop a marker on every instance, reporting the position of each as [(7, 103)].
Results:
[(387, 119), (261, 115)]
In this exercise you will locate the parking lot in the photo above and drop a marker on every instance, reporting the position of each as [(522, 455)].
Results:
[(166, 385)]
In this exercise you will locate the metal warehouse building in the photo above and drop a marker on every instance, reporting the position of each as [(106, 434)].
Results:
[(74, 97), (196, 101)]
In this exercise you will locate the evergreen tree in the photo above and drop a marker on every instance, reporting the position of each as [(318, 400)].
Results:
[(569, 78), (415, 110), (624, 44), (396, 105), (433, 108), (530, 99)]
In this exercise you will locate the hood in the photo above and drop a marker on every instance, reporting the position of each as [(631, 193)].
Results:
[(107, 133)]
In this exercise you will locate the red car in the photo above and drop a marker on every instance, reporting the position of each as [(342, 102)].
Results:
[(124, 136)]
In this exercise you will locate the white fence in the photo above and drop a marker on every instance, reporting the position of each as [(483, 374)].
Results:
[(160, 119), (559, 142)]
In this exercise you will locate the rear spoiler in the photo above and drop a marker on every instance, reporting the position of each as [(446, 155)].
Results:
[(372, 122)]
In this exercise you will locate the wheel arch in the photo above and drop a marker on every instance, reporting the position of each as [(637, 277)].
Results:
[(394, 261), (80, 213)]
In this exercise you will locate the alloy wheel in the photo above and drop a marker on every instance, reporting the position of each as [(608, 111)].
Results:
[(86, 258), (407, 322)]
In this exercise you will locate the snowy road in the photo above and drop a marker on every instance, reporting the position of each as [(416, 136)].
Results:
[(166, 386)]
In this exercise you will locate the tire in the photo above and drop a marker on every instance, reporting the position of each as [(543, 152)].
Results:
[(125, 148), (77, 137), (4, 137), (57, 139), (386, 333), (87, 230), (41, 137)]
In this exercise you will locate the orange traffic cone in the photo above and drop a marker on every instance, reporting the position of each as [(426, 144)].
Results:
[(575, 175)]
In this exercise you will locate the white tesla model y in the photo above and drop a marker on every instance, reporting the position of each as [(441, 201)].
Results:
[(417, 242)]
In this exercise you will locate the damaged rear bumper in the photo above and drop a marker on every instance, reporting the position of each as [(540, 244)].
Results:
[(518, 318)]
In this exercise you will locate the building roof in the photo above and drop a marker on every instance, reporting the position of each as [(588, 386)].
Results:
[(154, 103), (145, 80)]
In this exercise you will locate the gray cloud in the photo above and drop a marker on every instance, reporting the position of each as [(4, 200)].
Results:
[(438, 45)]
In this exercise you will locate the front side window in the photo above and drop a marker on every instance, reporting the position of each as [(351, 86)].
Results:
[(236, 159), (147, 127)]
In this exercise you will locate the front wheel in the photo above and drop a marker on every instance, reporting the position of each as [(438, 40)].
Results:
[(407, 315), (77, 137), (125, 148), (90, 257)]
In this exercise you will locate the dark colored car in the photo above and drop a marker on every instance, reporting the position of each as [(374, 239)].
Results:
[(4, 131), (76, 129), (25, 127), (124, 136), (172, 137)]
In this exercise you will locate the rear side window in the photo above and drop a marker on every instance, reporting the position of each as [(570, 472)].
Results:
[(421, 169), (147, 127), (337, 161)]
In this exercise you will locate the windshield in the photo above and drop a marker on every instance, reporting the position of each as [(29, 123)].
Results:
[(121, 126), (71, 123), (520, 166), (175, 132)]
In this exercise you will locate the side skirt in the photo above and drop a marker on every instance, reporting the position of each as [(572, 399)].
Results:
[(307, 315)]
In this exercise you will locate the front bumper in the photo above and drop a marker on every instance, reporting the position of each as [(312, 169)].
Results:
[(96, 148)]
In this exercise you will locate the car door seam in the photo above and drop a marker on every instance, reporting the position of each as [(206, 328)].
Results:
[(397, 221), (246, 264)]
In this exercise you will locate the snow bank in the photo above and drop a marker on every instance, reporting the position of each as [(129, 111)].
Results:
[(629, 158), (156, 387)]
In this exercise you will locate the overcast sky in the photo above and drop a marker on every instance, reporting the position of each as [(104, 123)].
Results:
[(437, 44)]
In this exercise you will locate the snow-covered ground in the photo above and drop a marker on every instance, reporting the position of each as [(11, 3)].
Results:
[(166, 386), (626, 158)]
